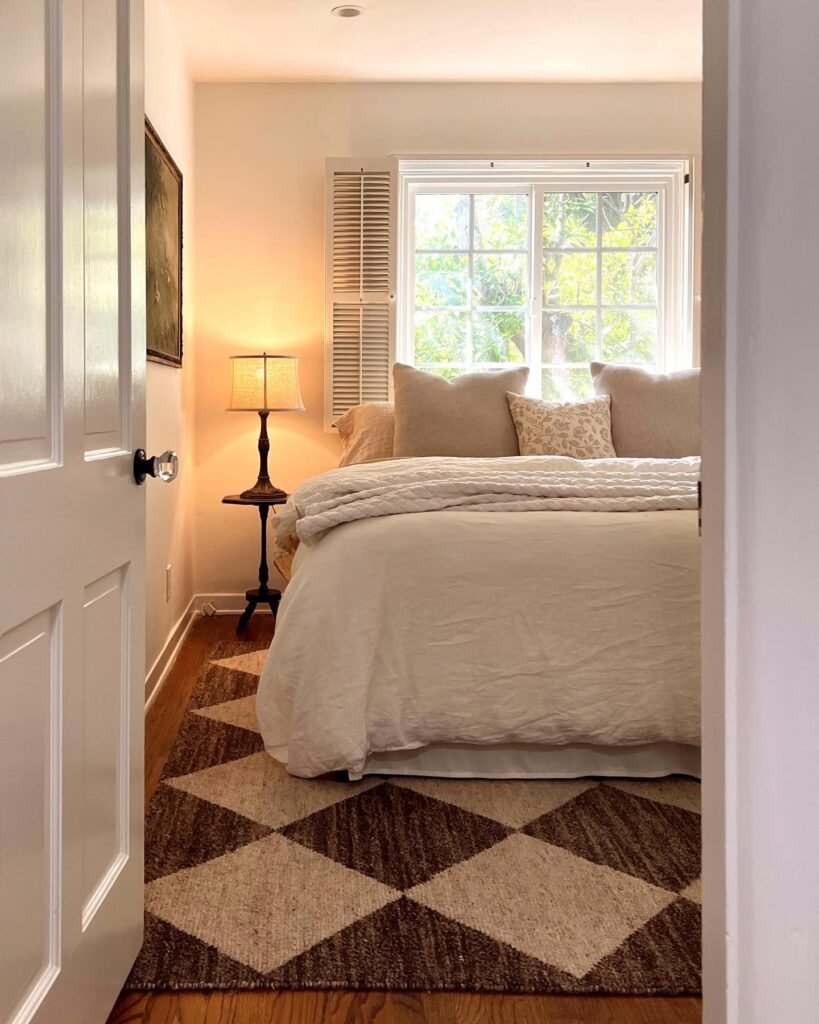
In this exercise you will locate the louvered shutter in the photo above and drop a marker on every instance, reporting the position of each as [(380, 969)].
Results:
[(360, 332)]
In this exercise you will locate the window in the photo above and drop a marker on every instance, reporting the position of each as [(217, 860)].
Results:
[(553, 265), (471, 271), (600, 285)]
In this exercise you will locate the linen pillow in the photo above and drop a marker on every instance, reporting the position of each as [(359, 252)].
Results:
[(653, 415), (367, 433), (581, 430), (468, 417)]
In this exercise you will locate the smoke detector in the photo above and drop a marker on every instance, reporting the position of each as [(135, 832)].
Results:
[(347, 11)]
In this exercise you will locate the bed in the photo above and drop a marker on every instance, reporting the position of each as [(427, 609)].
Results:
[(508, 618)]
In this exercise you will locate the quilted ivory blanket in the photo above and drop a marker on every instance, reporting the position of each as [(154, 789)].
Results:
[(544, 483)]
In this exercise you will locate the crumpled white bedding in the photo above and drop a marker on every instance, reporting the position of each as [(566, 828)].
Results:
[(536, 483), (484, 627)]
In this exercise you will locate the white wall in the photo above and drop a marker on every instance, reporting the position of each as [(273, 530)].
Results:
[(259, 249), (170, 397), (761, 495)]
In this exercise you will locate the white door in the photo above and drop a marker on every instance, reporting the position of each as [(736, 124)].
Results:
[(72, 520)]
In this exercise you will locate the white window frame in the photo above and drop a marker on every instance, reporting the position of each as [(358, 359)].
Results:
[(669, 177)]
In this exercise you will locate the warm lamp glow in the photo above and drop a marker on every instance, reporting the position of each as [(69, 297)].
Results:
[(265, 383)]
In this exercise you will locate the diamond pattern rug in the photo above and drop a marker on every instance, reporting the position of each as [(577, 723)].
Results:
[(255, 879)]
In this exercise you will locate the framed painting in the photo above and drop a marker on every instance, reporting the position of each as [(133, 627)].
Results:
[(163, 251)]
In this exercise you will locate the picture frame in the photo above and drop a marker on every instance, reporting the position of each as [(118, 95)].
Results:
[(163, 252)]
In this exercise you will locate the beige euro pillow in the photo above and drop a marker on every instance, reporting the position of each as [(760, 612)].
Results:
[(367, 433), (467, 417), (653, 415), (581, 430)]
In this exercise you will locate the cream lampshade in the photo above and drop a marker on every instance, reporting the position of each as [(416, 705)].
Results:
[(264, 384)]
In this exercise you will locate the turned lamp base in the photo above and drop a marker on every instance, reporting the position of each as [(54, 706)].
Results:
[(263, 488)]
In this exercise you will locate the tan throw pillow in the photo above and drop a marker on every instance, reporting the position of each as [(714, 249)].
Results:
[(367, 433), (468, 417), (653, 415), (581, 430)]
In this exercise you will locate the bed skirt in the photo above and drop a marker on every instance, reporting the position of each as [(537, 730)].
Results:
[(535, 761)]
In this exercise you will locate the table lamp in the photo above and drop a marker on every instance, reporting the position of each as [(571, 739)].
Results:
[(264, 384)]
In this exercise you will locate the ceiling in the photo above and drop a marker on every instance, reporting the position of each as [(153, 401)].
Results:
[(442, 40)]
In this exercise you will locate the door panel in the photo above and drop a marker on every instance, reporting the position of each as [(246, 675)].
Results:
[(100, 182), (105, 797), (72, 520), (30, 785), (24, 420)]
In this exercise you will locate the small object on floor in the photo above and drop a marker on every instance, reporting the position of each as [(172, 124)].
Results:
[(258, 880)]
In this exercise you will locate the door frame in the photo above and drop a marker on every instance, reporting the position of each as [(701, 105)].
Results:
[(714, 584), (760, 639)]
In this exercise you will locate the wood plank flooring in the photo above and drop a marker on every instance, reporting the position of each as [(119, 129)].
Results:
[(161, 726)]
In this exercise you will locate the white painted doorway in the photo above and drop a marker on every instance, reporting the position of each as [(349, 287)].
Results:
[(73, 520), (760, 607)]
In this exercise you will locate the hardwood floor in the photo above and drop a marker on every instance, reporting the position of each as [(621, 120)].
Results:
[(161, 726), (396, 1008), (164, 719)]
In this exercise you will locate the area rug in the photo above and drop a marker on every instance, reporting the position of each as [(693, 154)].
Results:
[(258, 880)]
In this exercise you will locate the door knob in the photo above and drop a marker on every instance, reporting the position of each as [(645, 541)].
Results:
[(164, 466)]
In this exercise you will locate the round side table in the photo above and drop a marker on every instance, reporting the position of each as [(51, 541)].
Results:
[(261, 594)]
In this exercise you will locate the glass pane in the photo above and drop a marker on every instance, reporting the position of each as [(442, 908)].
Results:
[(629, 337), (570, 220), (629, 278), (499, 337), (441, 280), (447, 372), (440, 337), (570, 279), (566, 384), (441, 222), (501, 221), (568, 337), (629, 218), (499, 280)]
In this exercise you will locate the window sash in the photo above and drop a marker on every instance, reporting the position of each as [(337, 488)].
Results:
[(471, 309), (675, 343)]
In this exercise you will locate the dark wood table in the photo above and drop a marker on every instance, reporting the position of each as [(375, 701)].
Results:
[(261, 594)]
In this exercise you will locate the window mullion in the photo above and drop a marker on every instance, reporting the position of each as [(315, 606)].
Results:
[(534, 354), (663, 290), (598, 344), (470, 355)]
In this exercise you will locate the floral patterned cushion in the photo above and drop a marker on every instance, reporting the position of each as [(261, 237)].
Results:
[(581, 430)]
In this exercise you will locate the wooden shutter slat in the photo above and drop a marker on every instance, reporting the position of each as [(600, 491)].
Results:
[(361, 275)]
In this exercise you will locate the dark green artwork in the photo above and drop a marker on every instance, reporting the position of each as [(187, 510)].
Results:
[(163, 248)]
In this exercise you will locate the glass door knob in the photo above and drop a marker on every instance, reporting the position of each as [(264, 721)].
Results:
[(164, 466)]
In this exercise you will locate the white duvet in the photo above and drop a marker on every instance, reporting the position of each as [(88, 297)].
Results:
[(451, 607)]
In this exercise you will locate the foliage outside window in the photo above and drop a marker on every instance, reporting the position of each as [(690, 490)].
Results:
[(527, 274), (471, 281), (600, 285)]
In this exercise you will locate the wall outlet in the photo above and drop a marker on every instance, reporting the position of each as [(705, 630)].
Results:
[(167, 583)]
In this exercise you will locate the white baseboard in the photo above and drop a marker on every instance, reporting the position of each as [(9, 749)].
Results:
[(158, 672), (225, 604)]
